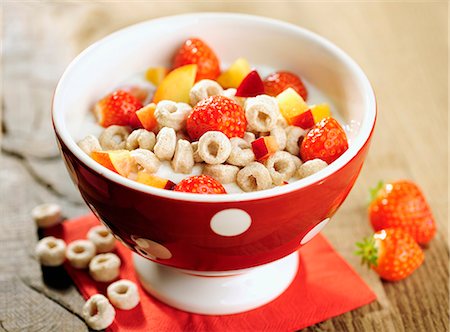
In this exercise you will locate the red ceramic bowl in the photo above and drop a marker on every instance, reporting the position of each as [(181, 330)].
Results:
[(214, 232)]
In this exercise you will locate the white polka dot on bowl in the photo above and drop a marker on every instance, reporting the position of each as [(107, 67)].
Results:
[(314, 231), (230, 222)]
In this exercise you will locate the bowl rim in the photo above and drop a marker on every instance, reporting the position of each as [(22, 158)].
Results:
[(366, 129)]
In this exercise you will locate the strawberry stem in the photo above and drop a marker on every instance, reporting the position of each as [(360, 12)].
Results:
[(368, 251), (374, 191)]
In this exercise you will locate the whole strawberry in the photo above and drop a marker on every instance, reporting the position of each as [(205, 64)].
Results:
[(200, 184), (216, 113), (326, 140), (277, 82), (402, 204), (196, 51), (392, 253), (118, 108)]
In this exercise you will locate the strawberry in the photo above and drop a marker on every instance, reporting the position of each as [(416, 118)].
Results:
[(200, 184), (279, 81), (392, 253), (401, 204), (326, 140), (216, 113), (118, 108), (196, 51)]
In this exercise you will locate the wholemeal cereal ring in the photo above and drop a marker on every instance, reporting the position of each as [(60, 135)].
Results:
[(171, 114), (114, 137), (166, 141), (214, 147), (197, 157), (297, 161), (98, 313), (46, 215), (183, 159), (249, 137), (241, 152), (282, 122), (141, 138), (80, 252), (310, 167), (281, 167), (222, 173), (50, 251), (262, 113), (123, 294), (204, 89), (102, 238), (280, 137), (293, 135), (146, 159), (231, 93), (104, 267), (254, 177), (89, 144)]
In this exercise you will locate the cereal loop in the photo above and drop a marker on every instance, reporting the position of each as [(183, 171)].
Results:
[(102, 238), (171, 114), (50, 251), (104, 267), (141, 138), (293, 136), (281, 167), (123, 294), (166, 141), (310, 167), (262, 113), (204, 89), (197, 157), (183, 160), (89, 144), (214, 147), (46, 215), (146, 160), (241, 152), (79, 253), (222, 173), (280, 137), (98, 312), (114, 137), (254, 177)]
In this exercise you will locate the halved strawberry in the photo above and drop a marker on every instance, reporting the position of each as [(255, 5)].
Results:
[(118, 108), (277, 82), (326, 140), (196, 51), (200, 184), (216, 113)]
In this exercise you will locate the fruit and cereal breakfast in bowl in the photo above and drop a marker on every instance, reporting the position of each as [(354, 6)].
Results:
[(214, 142)]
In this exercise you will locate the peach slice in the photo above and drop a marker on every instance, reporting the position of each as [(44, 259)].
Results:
[(251, 86), (119, 161), (146, 116), (176, 85), (154, 181), (312, 116), (233, 76), (264, 147), (156, 75), (291, 104)]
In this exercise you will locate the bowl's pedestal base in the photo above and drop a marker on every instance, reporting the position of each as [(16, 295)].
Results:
[(219, 295)]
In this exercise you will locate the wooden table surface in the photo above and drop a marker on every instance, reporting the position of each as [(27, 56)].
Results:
[(401, 46)]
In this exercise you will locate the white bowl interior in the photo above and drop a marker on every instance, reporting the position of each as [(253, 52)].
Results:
[(265, 42)]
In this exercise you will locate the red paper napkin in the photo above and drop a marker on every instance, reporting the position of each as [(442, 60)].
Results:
[(325, 286)]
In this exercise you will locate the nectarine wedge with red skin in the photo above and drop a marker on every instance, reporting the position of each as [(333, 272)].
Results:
[(264, 147), (119, 161), (154, 181), (251, 86)]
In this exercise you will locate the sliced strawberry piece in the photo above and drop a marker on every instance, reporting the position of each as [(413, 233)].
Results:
[(200, 184), (196, 51), (216, 113), (277, 82), (251, 86), (118, 108), (326, 140)]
